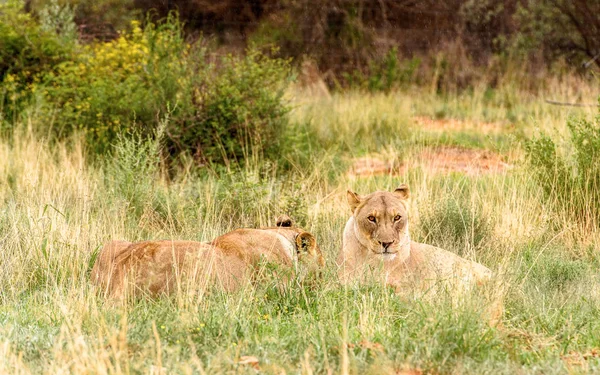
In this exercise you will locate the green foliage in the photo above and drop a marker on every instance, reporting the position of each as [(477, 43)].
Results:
[(262, 196), (132, 171), (560, 29), (570, 180), (97, 18), (27, 50), (481, 16), (118, 86), (385, 74), (60, 20), (273, 33), (552, 268), (391, 73), (218, 112), (239, 109)]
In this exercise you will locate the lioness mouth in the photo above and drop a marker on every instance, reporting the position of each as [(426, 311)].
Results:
[(385, 252), (388, 256)]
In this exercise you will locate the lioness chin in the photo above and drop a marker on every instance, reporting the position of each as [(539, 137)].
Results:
[(376, 242), (228, 262)]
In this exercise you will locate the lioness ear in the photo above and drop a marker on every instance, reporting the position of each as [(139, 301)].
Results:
[(353, 200), (308, 251), (306, 243), (284, 221), (402, 192)]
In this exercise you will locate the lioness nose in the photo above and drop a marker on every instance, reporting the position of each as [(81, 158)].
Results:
[(386, 244)]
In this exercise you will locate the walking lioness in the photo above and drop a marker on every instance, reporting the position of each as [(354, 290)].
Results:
[(228, 262), (377, 241)]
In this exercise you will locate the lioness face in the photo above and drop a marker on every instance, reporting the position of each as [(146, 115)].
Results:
[(382, 220), (308, 251)]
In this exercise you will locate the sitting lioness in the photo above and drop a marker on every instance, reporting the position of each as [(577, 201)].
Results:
[(229, 261), (377, 240)]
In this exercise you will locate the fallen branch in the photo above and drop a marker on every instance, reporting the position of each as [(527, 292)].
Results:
[(554, 102)]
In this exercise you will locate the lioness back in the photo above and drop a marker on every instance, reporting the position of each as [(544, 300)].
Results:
[(161, 267), (105, 262), (435, 263)]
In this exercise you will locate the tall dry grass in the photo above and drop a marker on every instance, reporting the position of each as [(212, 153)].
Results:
[(57, 209)]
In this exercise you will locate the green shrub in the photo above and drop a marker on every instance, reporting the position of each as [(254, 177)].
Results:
[(570, 181), (118, 86), (132, 172), (385, 74), (27, 50), (218, 112), (59, 19), (97, 18), (239, 110), (553, 269)]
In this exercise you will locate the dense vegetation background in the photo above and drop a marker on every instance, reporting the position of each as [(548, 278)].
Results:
[(146, 119), (218, 70), (355, 36)]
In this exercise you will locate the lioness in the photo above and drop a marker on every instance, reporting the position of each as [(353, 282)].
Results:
[(229, 261), (376, 238)]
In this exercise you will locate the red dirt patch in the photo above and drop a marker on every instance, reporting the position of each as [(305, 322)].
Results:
[(440, 125), (433, 160), (468, 161), (371, 166), (574, 358), (409, 372)]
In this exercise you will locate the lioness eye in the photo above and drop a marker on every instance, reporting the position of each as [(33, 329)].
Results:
[(371, 218), (397, 217)]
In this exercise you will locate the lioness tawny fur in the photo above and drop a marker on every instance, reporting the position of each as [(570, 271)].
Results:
[(376, 240), (228, 262)]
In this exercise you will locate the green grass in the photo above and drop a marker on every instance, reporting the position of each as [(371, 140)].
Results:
[(57, 209)]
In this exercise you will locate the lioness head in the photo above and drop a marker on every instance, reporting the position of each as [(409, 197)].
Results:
[(381, 220), (307, 248), (284, 221), (305, 243)]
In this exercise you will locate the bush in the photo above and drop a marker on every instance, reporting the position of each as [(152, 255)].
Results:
[(97, 19), (132, 172), (119, 86), (561, 29), (218, 112), (571, 183), (553, 269), (238, 110), (27, 50), (385, 74)]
